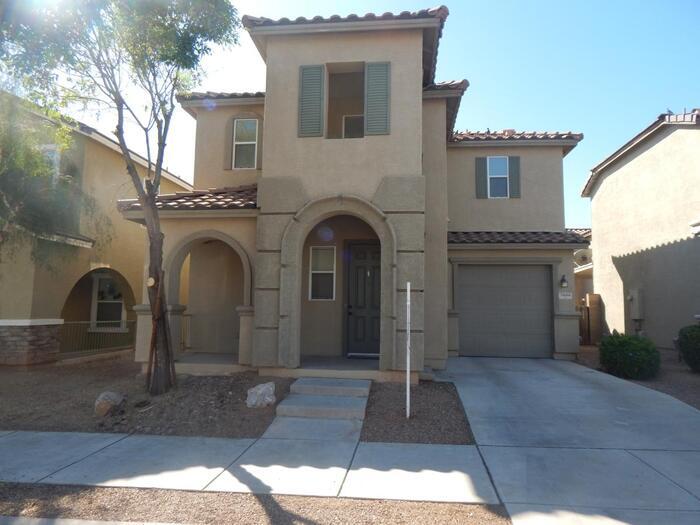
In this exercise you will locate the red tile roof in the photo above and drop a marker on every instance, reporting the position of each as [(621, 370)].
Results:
[(440, 12), (512, 135), (691, 118), (213, 95), (583, 232), (448, 85), (241, 197), (499, 237)]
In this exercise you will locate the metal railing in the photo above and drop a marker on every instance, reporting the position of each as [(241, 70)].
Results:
[(86, 336)]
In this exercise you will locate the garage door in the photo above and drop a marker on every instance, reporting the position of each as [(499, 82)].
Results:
[(504, 310)]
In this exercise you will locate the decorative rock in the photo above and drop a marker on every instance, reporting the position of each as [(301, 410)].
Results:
[(108, 403), (261, 395)]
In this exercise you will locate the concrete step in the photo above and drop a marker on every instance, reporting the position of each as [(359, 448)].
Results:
[(322, 386), (322, 428), (334, 407)]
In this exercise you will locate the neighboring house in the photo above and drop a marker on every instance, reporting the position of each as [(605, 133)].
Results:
[(645, 206), (583, 268), (340, 184), (84, 299)]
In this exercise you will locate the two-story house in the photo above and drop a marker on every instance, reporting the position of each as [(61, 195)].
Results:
[(645, 211), (79, 295), (339, 185)]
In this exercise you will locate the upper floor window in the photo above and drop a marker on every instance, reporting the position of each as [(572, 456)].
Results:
[(245, 143), (53, 156), (497, 177), (358, 99)]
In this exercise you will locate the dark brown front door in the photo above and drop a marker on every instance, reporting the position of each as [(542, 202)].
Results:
[(363, 306)]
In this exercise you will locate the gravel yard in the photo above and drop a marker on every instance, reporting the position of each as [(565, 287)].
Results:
[(61, 398), (674, 379), (53, 501), (437, 415)]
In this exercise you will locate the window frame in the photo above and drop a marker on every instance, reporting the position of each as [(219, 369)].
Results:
[(55, 161), (489, 176), (234, 143), (94, 302), (363, 126), (312, 271)]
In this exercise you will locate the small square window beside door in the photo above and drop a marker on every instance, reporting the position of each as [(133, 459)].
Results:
[(322, 273), (245, 143), (353, 126), (497, 169)]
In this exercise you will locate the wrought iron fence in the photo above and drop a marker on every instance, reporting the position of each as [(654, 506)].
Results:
[(85, 336)]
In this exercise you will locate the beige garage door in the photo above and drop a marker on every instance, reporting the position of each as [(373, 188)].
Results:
[(504, 310)]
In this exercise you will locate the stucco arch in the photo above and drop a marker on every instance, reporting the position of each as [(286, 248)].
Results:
[(176, 256), (314, 212)]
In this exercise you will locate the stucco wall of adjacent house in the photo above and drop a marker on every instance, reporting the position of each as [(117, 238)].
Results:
[(213, 160), (435, 278), (539, 208), (16, 283), (642, 245), (565, 318), (322, 322)]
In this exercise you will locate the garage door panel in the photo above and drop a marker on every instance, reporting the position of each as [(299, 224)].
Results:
[(505, 310)]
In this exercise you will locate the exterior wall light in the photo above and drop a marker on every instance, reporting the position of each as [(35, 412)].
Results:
[(563, 283)]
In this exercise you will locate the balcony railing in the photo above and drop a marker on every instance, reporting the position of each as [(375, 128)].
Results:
[(85, 336)]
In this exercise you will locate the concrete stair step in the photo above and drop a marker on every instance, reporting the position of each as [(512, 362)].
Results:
[(322, 386), (334, 407)]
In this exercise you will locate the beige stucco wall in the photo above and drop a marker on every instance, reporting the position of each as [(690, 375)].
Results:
[(216, 284), (641, 212), (339, 166), (322, 322), (540, 206), (36, 291), (435, 282), (565, 318), (214, 143)]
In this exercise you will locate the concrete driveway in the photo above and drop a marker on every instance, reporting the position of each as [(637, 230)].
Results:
[(566, 444)]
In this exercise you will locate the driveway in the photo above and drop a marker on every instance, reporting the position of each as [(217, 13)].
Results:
[(567, 444)]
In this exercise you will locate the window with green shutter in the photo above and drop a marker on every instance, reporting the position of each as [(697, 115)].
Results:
[(311, 101), (377, 98), (497, 177)]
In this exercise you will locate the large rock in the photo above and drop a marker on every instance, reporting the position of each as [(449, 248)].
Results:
[(261, 395), (109, 403)]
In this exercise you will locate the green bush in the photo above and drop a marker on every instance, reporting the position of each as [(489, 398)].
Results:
[(689, 343), (629, 356)]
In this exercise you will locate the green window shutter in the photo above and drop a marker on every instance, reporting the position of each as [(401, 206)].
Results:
[(311, 101), (377, 97), (481, 178), (514, 177)]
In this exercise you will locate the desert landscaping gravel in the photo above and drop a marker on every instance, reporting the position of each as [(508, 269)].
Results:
[(437, 415), (674, 379), (61, 398), (53, 501)]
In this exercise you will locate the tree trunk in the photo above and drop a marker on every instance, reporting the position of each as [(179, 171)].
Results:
[(161, 367)]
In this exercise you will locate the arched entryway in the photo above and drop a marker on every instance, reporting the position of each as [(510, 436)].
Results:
[(354, 228), (98, 313), (208, 277)]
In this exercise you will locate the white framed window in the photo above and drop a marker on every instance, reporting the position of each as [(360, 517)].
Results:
[(322, 273), (53, 156), (497, 177), (107, 310), (245, 144), (353, 126)]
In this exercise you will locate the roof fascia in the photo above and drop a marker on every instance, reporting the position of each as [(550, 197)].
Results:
[(514, 245)]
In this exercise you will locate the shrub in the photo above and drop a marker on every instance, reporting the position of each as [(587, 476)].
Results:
[(689, 343), (629, 356)]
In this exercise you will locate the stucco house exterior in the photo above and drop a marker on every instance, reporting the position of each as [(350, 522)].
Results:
[(645, 207), (319, 199), (83, 299)]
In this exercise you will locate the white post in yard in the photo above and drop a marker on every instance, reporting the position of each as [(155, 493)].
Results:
[(408, 350)]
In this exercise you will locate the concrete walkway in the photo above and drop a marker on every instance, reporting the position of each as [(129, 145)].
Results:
[(568, 445)]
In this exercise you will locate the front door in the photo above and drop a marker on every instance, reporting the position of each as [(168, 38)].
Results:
[(363, 300)]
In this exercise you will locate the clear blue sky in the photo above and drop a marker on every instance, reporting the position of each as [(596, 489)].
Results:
[(606, 68)]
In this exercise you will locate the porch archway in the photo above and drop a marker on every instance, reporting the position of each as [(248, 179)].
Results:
[(293, 239)]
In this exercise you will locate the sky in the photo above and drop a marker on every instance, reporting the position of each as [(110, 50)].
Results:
[(605, 68)]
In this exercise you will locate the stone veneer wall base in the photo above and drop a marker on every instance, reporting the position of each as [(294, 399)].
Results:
[(29, 345)]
